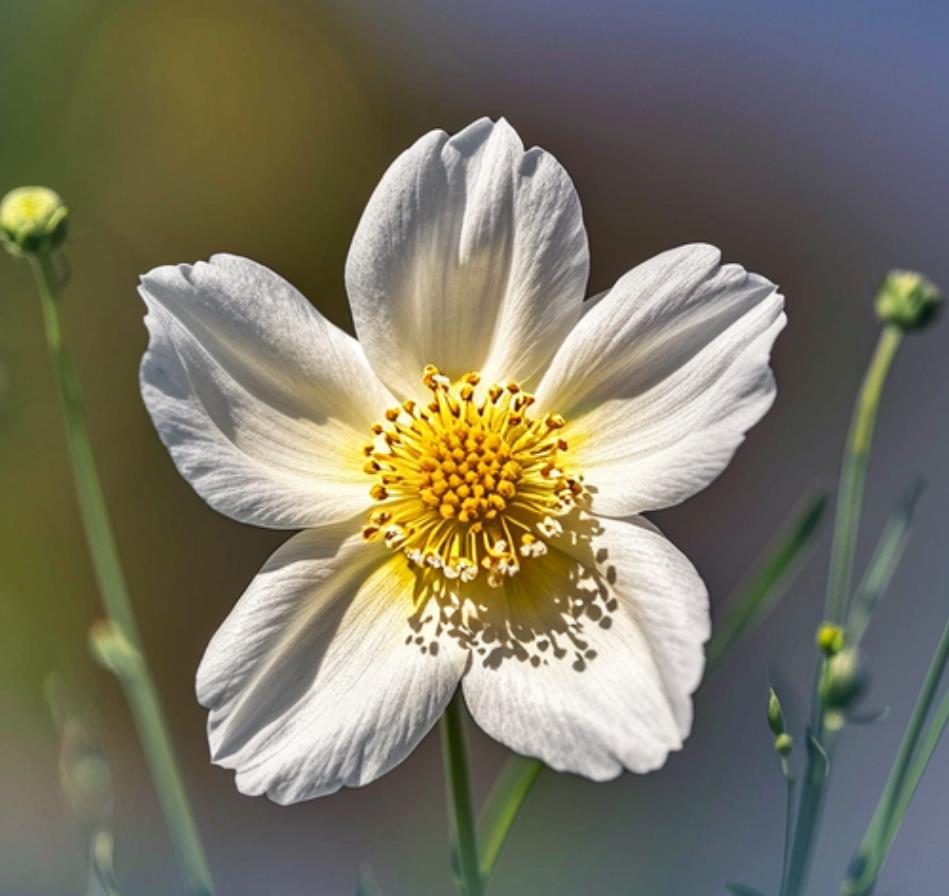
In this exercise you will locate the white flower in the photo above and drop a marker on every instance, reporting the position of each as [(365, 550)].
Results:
[(468, 475)]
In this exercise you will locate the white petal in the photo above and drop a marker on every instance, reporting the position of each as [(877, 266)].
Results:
[(316, 680), (471, 255), (661, 379), (262, 402), (620, 695)]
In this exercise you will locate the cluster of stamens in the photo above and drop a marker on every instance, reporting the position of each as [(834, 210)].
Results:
[(470, 481)]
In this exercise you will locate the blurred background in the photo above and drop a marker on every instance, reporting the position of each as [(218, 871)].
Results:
[(808, 140)]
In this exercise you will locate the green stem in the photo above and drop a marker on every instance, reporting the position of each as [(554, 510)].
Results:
[(142, 694), (808, 816), (893, 802), (789, 792), (460, 804), (849, 501), (853, 473)]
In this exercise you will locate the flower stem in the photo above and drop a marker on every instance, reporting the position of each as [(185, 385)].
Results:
[(849, 501), (790, 787), (460, 804), (853, 472), (808, 815), (140, 688)]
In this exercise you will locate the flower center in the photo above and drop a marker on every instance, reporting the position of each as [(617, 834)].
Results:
[(470, 482)]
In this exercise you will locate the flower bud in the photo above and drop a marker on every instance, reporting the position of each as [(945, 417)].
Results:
[(32, 219), (775, 715), (784, 743), (842, 680), (907, 300), (830, 639)]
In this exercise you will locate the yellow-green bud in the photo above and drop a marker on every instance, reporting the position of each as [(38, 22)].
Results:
[(842, 680), (783, 743), (830, 639), (32, 219), (908, 300), (775, 715)]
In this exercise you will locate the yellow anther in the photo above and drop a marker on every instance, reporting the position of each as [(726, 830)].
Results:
[(465, 477)]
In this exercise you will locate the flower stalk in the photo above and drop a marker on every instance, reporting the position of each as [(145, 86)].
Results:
[(821, 739), (460, 803), (136, 677), (854, 470)]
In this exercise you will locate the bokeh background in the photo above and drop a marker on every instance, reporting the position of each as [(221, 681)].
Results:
[(808, 140)]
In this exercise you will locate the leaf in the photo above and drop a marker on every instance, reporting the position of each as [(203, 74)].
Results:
[(819, 755), (871, 717), (502, 807), (886, 557), (776, 570)]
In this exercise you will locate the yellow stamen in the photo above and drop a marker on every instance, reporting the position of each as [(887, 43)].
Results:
[(458, 475)]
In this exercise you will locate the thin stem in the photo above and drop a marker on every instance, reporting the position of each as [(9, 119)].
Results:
[(142, 694), (790, 788), (869, 858), (460, 804), (808, 816), (853, 473)]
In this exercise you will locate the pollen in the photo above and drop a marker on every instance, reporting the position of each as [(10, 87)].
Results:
[(469, 483)]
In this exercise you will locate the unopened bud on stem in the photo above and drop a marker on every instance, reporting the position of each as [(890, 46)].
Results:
[(842, 680), (783, 743), (830, 639), (32, 219), (775, 715), (907, 300)]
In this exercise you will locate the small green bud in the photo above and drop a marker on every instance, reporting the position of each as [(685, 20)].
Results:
[(908, 300), (842, 680), (32, 219), (775, 715), (784, 743), (830, 639)]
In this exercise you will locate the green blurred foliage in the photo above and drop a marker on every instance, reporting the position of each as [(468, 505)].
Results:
[(173, 130)]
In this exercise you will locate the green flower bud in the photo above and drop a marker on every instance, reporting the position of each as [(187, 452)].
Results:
[(842, 680), (784, 743), (830, 639), (32, 219), (775, 715), (908, 300)]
